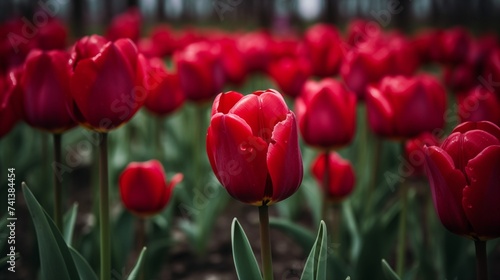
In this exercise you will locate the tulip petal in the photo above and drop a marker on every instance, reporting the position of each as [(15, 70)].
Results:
[(380, 112), (262, 112), (446, 184), (481, 199), (284, 160), (238, 158), (225, 101), (483, 125)]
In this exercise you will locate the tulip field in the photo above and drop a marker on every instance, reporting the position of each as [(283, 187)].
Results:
[(168, 151)]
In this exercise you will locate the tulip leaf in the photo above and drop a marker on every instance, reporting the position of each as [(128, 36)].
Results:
[(136, 271), (388, 271), (315, 268), (69, 223), (82, 266), (244, 259), (302, 236), (55, 258)]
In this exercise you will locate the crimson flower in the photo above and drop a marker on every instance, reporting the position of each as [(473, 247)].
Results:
[(325, 49), (479, 104), (326, 113), (290, 74), (465, 182), (107, 82), (253, 148), (401, 107), (143, 187), (45, 84), (340, 173)]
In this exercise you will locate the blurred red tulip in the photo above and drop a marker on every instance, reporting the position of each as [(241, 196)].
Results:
[(326, 113), (165, 93), (360, 31), (479, 104), (459, 78), (10, 101), (144, 189), (52, 36), (107, 82), (364, 65), (414, 152), (325, 49), (253, 148), (256, 50), (465, 182), (340, 174), (46, 93), (404, 58), (200, 70), (491, 72), (400, 107), (290, 74), (233, 61), (427, 45), (125, 25), (456, 43), (160, 43)]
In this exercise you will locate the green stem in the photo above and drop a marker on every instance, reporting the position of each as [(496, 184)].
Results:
[(104, 208), (401, 253), (158, 138), (141, 241), (325, 186), (57, 183), (265, 242), (335, 225), (375, 170), (481, 260), (198, 143)]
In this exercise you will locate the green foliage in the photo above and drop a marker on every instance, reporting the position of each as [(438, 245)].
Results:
[(244, 259)]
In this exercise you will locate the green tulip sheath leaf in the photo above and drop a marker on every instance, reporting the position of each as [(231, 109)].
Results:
[(136, 271), (83, 267), (244, 259), (69, 223), (55, 258), (388, 272), (315, 268)]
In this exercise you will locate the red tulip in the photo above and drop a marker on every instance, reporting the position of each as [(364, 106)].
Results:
[(52, 36), (253, 147), (414, 152), (200, 70), (340, 174), (492, 71), (144, 189), (360, 31), (45, 84), (125, 25), (326, 113), (233, 61), (404, 58), (107, 82), (290, 74), (256, 50), (465, 182), (460, 77), (426, 46), (325, 49), (10, 101), (456, 45), (479, 104), (400, 107), (364, 65), (165, 93)]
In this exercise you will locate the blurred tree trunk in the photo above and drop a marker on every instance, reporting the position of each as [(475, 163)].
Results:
[(403, 18), (160, 13), (265, 10), (108, 11), (77, 8), (331, 12), (132, 3)]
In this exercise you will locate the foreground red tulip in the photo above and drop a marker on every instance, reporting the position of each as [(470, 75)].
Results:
[(165, 93), (341, 176), (252, 145), (400, 107), (200, 70), (465, 182), (479, 104), (143, 187), (107, 82), (325, 49), (45, 83), (326, 113)]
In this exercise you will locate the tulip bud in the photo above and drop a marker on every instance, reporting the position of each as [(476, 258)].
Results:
[(341, 176), (143, 187), (253, 148)]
